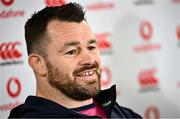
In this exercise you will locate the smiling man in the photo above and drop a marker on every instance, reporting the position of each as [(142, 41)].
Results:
[(63, 53)]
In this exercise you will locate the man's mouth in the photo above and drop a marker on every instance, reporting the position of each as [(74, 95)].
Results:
[(90, 76), (86, 73)]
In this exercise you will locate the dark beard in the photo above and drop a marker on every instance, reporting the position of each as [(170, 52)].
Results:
[(70, 87)]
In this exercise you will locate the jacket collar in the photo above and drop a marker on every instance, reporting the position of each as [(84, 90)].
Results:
[(107, 99)]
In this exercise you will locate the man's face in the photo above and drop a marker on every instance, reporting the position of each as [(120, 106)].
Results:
[(73, 60)]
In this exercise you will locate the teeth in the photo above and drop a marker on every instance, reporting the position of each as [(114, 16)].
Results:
[(87, 73)]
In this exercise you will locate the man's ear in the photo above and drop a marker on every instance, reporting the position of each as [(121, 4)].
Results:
[(37, 63)]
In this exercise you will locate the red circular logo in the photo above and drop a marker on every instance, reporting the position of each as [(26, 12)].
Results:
[(7, 2), (146, 30), (152, 111), (178, 32), (105, 76), (13, 81)]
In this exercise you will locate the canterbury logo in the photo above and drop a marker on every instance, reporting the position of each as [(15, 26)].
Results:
[(178, 32), (9, 50), (50, 3), (147, 77), (103, 43)]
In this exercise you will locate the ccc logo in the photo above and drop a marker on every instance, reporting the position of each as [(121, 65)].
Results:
[(55, 2), (9, 50), (147, 77), (178, 32), (103, 42)]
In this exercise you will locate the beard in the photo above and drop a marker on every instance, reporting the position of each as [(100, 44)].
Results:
[(71, 87)]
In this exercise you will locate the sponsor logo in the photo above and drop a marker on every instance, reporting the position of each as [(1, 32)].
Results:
[(178, 34), (103, 42), (7, 2), (152, 112), (143, 2), (148, 80), (9, 53), (146, 33), (13, 87), (100, 6), (178, 84), (176, 1), (9, 106), (55, 2), (105, 77), (10, 13), (146, 30)]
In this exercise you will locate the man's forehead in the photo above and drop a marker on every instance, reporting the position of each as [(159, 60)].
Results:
[(68, 30), (64, 25)]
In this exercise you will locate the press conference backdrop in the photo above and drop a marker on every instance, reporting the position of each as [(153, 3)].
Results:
[(139, 41)]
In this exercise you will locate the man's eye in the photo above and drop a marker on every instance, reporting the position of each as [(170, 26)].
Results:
[(72, 52), (91, 47)]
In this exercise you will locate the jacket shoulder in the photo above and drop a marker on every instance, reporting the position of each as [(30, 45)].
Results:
[(124, 112), (15, 111)]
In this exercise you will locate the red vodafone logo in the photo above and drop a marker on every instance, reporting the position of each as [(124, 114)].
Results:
[(146, 30), (50, 3), (13, 87), (9, 50), (178, 32), (146, 33), (152, 112), (7, 2), (105, 76)]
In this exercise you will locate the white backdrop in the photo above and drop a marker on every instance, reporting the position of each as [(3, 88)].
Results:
[(140, 49)]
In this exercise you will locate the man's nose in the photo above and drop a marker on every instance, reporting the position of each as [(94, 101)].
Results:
[(86, 58)]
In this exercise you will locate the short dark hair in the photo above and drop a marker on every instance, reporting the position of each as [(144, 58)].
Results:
[(36, 27)]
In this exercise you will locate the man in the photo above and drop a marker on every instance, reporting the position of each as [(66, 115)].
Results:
[(64, 56)]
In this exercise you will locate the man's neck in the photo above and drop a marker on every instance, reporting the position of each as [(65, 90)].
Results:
[(67, 102)]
